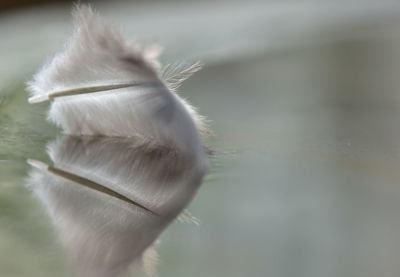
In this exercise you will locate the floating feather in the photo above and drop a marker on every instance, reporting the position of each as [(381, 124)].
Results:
[(134, 157), (101, 84)]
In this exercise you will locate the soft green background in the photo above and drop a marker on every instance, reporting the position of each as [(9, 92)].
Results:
[(304, 98)]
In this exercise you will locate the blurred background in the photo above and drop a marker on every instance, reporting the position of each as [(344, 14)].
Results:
[(304, 98)]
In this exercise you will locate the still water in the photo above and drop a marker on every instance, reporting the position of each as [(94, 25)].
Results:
[(304, 180)]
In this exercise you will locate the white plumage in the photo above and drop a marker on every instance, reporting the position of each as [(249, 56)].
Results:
[(101, 84)]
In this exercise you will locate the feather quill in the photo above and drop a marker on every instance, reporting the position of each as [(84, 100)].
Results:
[(101, 84)]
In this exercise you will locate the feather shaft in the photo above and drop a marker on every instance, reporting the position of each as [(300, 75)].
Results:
[(84, 90)]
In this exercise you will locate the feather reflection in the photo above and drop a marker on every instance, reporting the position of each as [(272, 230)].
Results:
[(110, 198)]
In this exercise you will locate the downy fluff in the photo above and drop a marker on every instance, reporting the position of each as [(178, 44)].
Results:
[(100, 84)]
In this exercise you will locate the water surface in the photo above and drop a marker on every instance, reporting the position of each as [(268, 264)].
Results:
[(304, 181)]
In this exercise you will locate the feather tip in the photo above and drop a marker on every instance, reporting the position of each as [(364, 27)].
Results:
[(38, 99)]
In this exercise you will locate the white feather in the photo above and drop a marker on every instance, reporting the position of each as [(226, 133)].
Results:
[(103, 85)]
